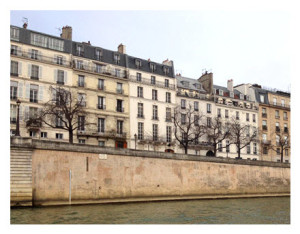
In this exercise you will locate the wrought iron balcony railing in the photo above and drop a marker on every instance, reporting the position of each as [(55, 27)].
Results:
[(147, 81)]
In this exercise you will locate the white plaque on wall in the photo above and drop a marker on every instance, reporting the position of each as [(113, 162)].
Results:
[(103, 156)]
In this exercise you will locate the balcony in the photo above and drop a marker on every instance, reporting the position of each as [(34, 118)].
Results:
[(14, 74), (264, 127), (264, 115), (285, 118), (101, 87), (34, 100), (266, 142), (101, 107), (119, 109), (60, 82), (146, 81), (34, 77), (140, 116), (81, 84), (183, 107), (14, 97), (237, 118), (120, 91), (277, 129), (279, 105), (155, 118), (196, 109)]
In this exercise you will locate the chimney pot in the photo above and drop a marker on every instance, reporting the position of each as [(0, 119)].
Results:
[(66, 33), (122, 49), (25, 25)]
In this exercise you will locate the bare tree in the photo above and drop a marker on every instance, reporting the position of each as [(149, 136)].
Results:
[(65, 110), (241, 135), (282, 141), (188, 127), (217, 131)]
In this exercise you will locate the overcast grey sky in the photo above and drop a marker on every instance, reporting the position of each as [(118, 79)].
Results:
[(246, 46)]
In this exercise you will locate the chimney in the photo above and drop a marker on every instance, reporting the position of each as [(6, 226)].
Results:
[(207, 81), (122, 49), (168, 62), (230, 85), (25, 25), (66, 33)]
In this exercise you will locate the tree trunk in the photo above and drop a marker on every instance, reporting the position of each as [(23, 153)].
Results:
[(239, 151), (186, 149), (71, 136), (281, 156), (215, 150)]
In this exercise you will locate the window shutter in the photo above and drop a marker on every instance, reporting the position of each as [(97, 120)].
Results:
[(104, 101), (41, 93), (65, 77), (26, 113), (29, 70), (19, 68), (55, 75), (53, 94), (40, 72), (64, 60), (27, 91), (85, 65), (29, 53), (19, 51), (55, 59), (39, 56), (20, 89)]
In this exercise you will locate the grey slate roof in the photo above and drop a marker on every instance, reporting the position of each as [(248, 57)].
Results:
[(192, 83)]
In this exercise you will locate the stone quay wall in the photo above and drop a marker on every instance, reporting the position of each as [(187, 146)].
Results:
[(65, 173)]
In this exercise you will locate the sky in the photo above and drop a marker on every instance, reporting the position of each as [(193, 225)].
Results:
[(246, 46)]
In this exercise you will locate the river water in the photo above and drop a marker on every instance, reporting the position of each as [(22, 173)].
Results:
[(222, 211)]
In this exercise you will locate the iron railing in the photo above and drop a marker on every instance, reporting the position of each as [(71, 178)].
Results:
[(147, 81)]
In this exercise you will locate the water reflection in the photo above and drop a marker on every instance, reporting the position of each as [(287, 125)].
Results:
[(227, 211)]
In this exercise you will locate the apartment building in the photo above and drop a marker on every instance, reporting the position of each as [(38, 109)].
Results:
[(152, 89), (273, 120), (98, 76)]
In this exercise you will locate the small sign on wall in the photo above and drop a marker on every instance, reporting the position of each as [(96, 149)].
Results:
[(103, 156)]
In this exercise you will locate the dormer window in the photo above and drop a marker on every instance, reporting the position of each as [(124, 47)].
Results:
[(79, 50), (220, 92), (241, 96), (231, 95), (116, 58), (198, 86), (14, 34), (247, 97), (185, 83), (98, 54), (138, 63), (152, 67), (166, 70)]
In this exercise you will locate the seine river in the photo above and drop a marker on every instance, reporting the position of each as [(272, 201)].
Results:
[(225, 211)]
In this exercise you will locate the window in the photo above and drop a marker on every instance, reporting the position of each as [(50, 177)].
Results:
[(79, 50), (120, 105), (285, 116), (183, 118), (14, 33), (241, 96), (119, 88), (220, 146), (154, 94), (98, 54), (226, 114), (60, 77), (155, 132), (166, 70), (208, 122), (277, 127), (32, 133), (253, 118), (247, 117), (56, 44), (219, 113), (274, 101), (13, 113), (227, 146), (277, 114), (101, 125), (81, 123), (196, 120), (98, 68), (196, 106), (153, 80), (138, 77), (169, 134), (119, 126), (34, 72), (264, 125), (285, 129), (183, 102), (168, 97), (59, 136), (282, 102), (59, 60), (116, 58), (81, 141), (80, 81), (43, 134), (154, 112), (13, 90), (138, 63), (278, 151), (58, 120), (166, 83), (237, 115), (140, 92), (262, 98), (248, 149), (117, 72), (231, 94), (101, 103), (152, 67), (220, 92), (168, 114), (34, 54), (140, 131), (286, 152), (79, 64), (101, 143), (14, 50), (100, 84), (14, 68), (254, 148), (140, 110), (34, 93), (81, 99), (208, 107), (184, 136)]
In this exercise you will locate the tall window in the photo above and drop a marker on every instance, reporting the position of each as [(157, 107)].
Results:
[(262, 98), (34, 93), (79, 64), (220, 146), (277, 114), (119, 126), (155, 112), (117, 58), (183, 102), (196, 106), (282, 102), (183, 118), (196, 120), (100, 84), (13, 90), (14, 68), (58, 120), (166, 83), (208, 122), (81, 99), (140, 92), (154, 94), (226, 114), (14, 33), (264, 125), (59, 60), (119, 87), (79, 50), (227, 146), (254, 148), (153, 80), (34, 72), (155, 132), (34, 54), (140, 131), (254, 118), (98, 68), (274, 101), (140, 110), (152, 67), (120, 105), (208, 107), (60, 77), (101, 125), (81, 123), (219, 113), (80, 81), (168, 114), (138, 76), (237, 115), (285, 116), (168, 97), (14, 50), (169, 133), (13, 113), (101, 102), (98, 54), (117, 72), (247, 117), (248, 149)]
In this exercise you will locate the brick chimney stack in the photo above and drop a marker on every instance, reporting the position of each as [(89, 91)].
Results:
[(122, 49), (66, 33), (25, 25), (230, 85)]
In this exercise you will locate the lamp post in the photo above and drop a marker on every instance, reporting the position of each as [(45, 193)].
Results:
[(18, 118), (135, 137)]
